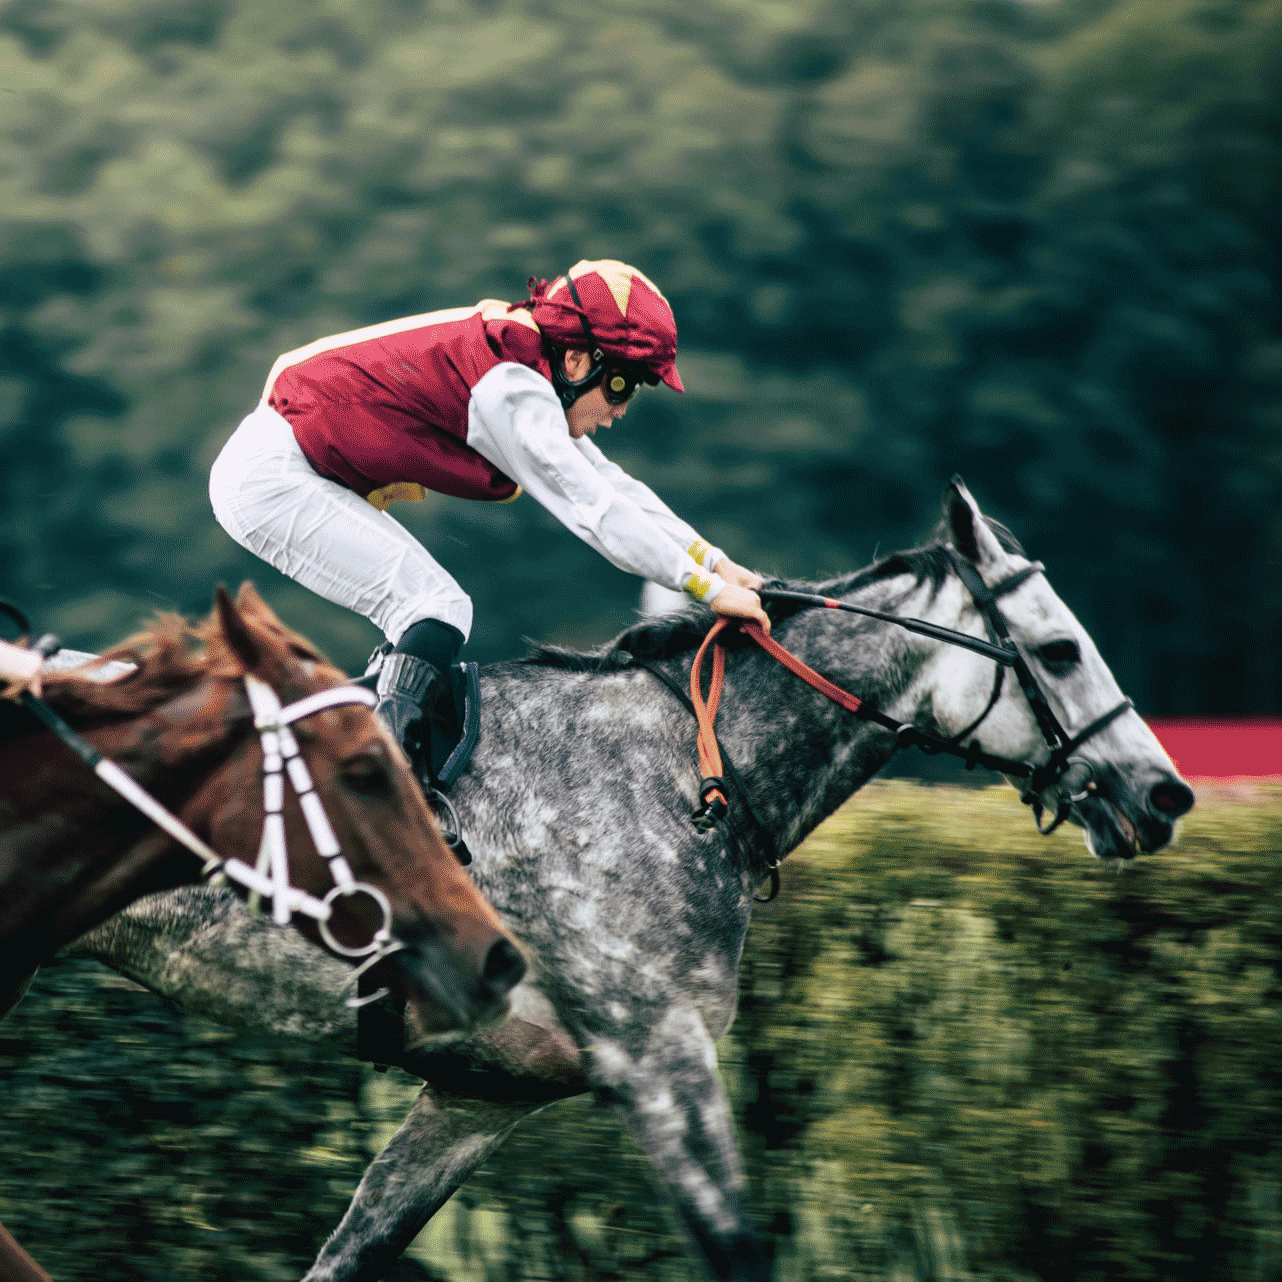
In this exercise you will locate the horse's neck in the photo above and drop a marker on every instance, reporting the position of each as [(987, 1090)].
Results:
[(800, 754), (66, 841)]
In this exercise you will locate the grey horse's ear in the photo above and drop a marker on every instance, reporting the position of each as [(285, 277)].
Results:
[(967, 528)]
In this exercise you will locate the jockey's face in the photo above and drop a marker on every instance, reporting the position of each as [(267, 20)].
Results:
[(591, 410)]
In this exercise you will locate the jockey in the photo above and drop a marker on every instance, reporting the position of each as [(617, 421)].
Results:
[(479, 402)]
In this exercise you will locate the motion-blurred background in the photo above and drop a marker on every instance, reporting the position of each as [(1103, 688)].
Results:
[(1030, 241)]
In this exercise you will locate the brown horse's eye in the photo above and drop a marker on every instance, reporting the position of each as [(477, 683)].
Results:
[(367, 776)]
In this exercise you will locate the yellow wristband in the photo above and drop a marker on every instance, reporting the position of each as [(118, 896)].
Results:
[(699, 585), (698, 550)]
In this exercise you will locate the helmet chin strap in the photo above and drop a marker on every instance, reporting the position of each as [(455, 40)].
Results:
[(569, 390)]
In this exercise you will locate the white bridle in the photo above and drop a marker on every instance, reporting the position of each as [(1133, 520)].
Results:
[(281, 756)]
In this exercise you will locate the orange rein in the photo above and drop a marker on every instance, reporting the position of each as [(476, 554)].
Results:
[(712, 792)]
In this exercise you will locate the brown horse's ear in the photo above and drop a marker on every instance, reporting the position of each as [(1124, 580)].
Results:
[(237, 633), (251, 604)]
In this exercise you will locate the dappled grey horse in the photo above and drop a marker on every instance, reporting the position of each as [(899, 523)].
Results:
[(577, 810)]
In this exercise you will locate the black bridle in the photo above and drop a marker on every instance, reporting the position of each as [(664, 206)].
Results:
[(1001, 648)]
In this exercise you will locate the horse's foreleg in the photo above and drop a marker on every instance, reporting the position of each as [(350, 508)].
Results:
[(670, 1099), (439, 1145), (15, 1264)]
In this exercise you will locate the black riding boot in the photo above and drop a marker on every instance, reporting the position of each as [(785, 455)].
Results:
[(407, 681), (403, 688)]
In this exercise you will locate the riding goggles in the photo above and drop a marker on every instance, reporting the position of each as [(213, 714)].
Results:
[(618, 380)]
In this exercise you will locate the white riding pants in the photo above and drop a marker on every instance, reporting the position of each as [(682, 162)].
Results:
[(267, 496)]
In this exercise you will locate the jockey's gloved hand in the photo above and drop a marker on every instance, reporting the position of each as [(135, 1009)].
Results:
[(740, 603), (737, 575)]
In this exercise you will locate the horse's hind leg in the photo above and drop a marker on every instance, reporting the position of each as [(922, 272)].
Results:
[(439, 1145)]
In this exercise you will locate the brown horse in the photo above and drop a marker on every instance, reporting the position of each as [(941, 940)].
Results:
[(72, 852)]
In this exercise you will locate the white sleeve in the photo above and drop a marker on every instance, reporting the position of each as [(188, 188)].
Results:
[(649, 502), (516, 422)]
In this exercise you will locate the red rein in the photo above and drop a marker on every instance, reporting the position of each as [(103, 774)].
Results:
[(705, 711)]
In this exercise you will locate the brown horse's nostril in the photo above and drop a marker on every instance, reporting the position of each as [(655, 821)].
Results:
[(504, 967), (1170, 799)]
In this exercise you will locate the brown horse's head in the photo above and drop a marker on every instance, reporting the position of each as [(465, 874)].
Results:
[(457, 966)]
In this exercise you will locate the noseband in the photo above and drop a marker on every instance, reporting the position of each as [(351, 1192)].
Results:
[(281, 756), (1000, 647)]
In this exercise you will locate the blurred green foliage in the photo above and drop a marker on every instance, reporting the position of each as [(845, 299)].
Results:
[(143, 1144), (963, 1051), (1033, 242)]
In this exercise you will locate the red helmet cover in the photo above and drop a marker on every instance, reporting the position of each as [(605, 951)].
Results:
[(628, 316)]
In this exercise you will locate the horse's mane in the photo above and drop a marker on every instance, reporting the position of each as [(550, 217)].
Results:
[(171, 654), (684, 630)]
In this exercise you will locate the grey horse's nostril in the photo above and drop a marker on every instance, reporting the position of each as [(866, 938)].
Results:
[(504, 967), (1170, 799)]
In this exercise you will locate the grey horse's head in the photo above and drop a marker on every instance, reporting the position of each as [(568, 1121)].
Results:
[(1117, 784)]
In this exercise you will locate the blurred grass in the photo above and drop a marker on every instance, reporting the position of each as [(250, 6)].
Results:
[(963, 1051)]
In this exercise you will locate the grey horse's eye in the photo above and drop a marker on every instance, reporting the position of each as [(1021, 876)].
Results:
[(1059, 657)]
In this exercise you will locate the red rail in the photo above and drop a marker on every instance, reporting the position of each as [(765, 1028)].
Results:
[(1222, 747)]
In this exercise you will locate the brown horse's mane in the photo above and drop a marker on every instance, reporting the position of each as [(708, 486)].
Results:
[(171, 654)]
